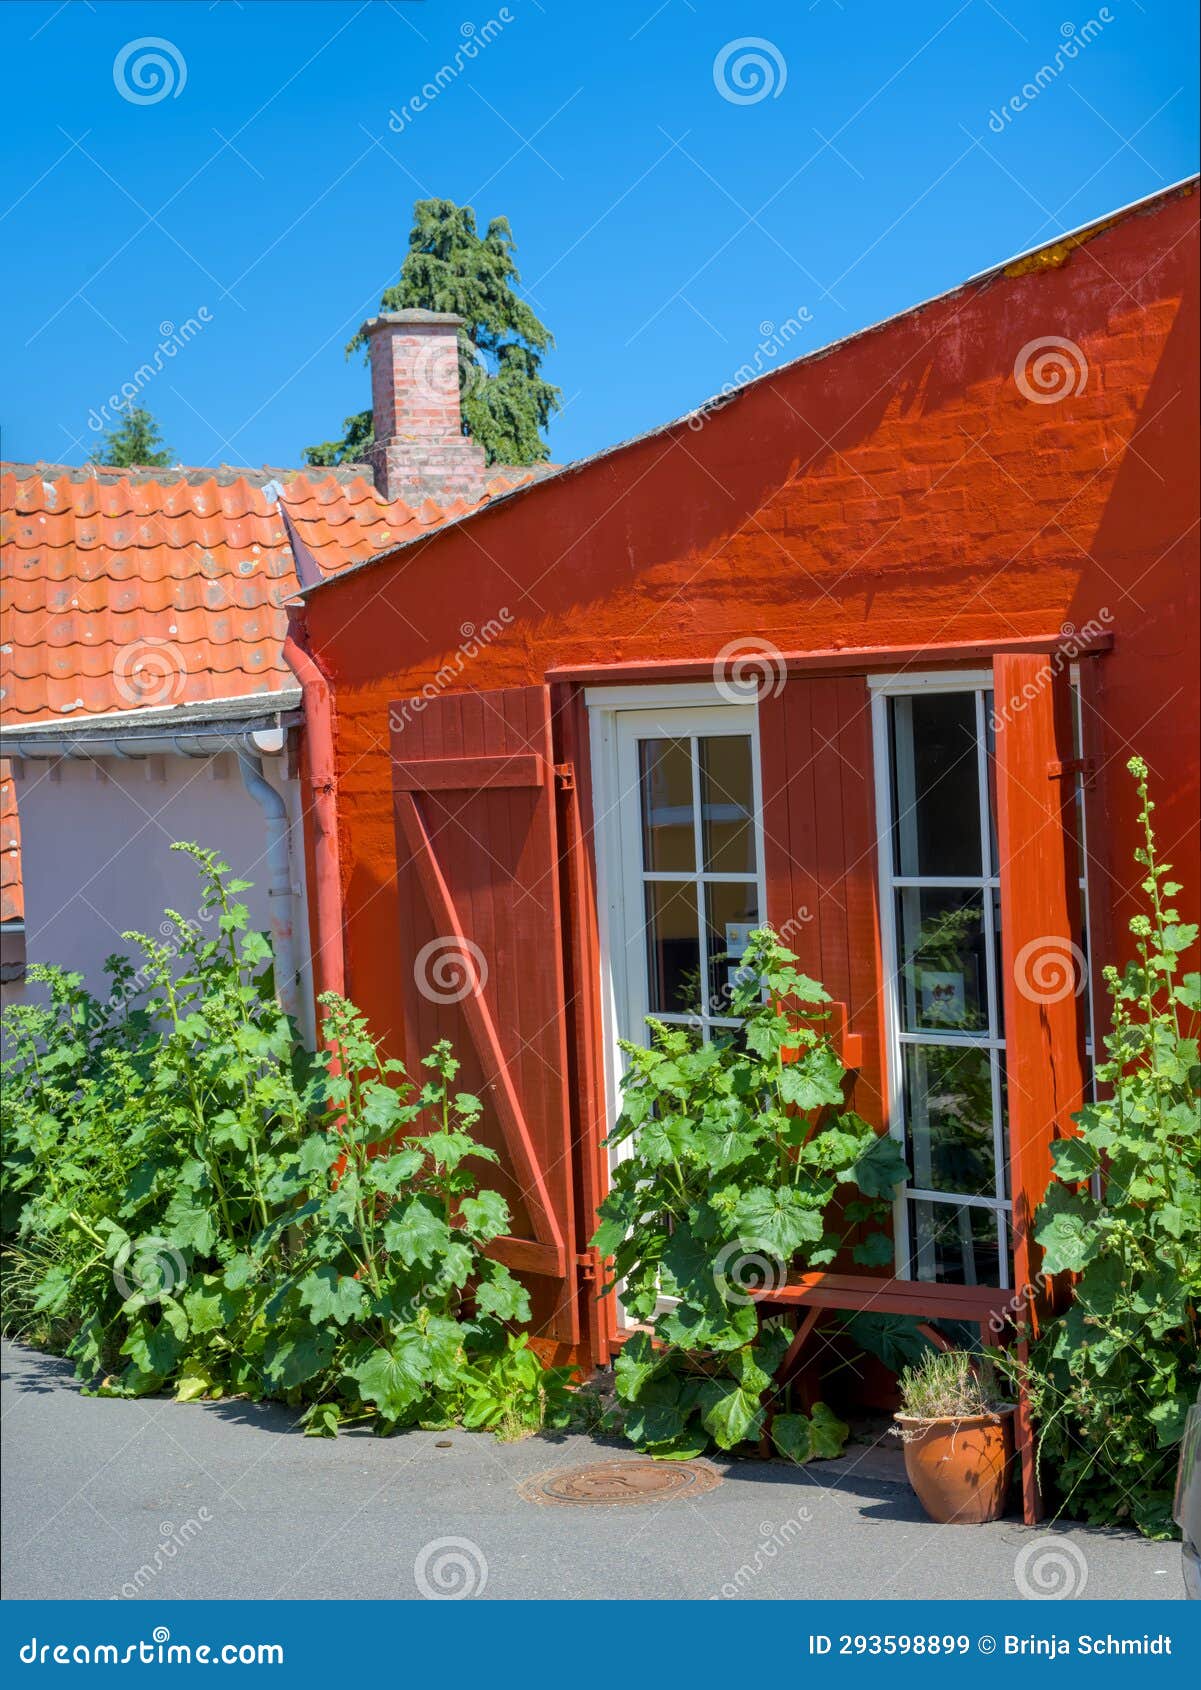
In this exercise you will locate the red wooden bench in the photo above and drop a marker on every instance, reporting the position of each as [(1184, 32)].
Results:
[(807, 1295)]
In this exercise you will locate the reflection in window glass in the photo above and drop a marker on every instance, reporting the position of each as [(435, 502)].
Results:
[(733, 910), (668, 839), (727, 804), (673, 947), (948, 1112), (944, 968), (953, 1244), (935, 782)]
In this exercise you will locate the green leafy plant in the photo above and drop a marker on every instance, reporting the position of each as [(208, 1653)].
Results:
[(949, 1385), (742, 1162), (513, 1395), (202, 1207), (1111, 1379)]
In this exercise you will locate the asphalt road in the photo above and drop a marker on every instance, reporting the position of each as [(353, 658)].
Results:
[(157, 1500)]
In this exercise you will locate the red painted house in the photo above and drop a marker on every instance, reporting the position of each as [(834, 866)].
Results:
[(860, 649)]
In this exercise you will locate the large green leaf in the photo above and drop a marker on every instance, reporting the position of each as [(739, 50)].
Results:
[(417, 1231), (1067, 1231), (730, 1413), (880, 1168), (329, 1295), (779, 1221), (394, 1378)]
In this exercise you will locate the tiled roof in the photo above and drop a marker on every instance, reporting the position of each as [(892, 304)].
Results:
[(12, 898), (135, 589)]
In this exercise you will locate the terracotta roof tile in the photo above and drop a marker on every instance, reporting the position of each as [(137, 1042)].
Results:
[(123, 591), (132, 589)]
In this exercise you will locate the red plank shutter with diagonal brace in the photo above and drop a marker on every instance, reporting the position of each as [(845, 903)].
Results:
[(481, 942)]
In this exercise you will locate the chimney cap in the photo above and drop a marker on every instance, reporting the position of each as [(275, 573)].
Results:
[(399, 319)]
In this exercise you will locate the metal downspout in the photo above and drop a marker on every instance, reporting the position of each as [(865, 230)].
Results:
[(279, 877), (321, 770)]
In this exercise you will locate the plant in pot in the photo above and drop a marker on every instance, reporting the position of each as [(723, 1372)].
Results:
[(958, 1437)]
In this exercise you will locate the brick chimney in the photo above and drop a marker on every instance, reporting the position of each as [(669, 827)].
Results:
[(420, 451)]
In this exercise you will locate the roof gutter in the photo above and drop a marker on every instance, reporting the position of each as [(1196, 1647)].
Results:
[(182, 731)]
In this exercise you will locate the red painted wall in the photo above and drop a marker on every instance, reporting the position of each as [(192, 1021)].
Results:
[(899, 490)]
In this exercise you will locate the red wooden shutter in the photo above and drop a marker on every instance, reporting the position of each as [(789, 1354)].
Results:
[(481, 942), (820, 857), (1043, 968)]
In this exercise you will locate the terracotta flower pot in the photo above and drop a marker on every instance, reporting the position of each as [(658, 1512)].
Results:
[(959, 1469)]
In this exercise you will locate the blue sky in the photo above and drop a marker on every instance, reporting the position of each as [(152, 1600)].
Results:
[(664, 229)]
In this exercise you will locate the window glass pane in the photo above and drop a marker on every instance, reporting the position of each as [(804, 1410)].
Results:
[(936, 789), (952, 1244), (994, 898), (665, 771), (673, 948), (727, 804), (944, 969), (733, 910), (948, 1114)]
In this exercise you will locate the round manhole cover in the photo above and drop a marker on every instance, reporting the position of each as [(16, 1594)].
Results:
[(621, 1481)]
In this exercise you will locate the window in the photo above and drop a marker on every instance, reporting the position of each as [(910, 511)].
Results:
[(679, 858), (941, 914)]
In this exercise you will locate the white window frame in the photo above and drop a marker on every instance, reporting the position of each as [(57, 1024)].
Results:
[(618, 851), (883, 688)]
